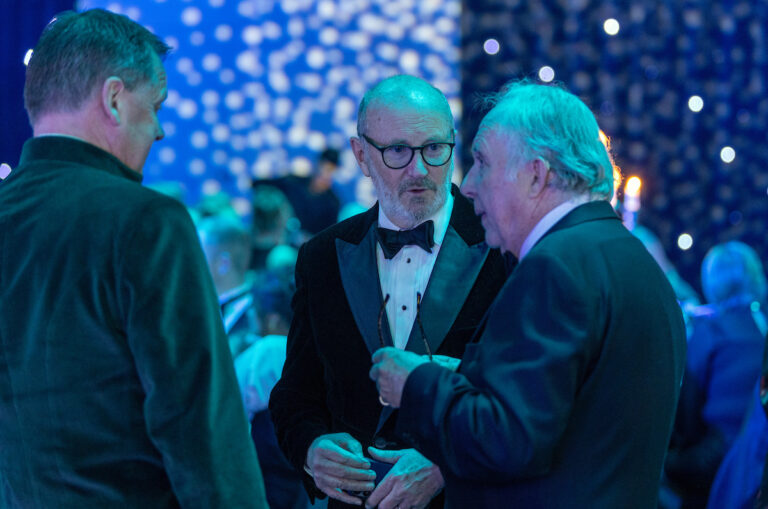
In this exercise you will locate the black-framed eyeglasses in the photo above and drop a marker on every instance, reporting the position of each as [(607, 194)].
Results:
[(418, 321), (399, 156)]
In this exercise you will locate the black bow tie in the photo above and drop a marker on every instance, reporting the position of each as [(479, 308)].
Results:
[(393, 240)]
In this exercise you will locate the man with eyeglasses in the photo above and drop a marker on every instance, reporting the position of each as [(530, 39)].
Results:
[(413, 273), (567, 396)]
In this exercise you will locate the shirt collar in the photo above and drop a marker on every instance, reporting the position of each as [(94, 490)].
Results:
[(441, 218), (548, 221)]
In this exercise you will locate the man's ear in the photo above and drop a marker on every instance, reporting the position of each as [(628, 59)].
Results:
[(111, 98), (357, 149), (538, 172)]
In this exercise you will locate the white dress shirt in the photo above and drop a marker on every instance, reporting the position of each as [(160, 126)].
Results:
[(548, 221), (407, 274)]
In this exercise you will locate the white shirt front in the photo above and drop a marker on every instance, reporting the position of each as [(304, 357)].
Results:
[(407, 274)]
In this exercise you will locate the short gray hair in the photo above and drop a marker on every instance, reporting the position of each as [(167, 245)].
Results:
[(78, 51), (396, 88), (552, 123)]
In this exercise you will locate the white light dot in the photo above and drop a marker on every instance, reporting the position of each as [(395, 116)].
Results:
[(187, 108), (191, 16), (316, 141), (409, 61), (210, 98), (329, 36), (297, 135), (169, 128), (242, 205), (301, 166), (237, 166), (185, 65), (234, 100), (684, 241), (211, 62), (220, 133), (727, 154), (199, 139), (491, 46), (252, 35), (211, 187), (5, 170), (134, 13), (197, 167), (197, 38), (316, 58), (247, 62), (194, 79), (223, 33), (271, 30), (28, 56), (220, 157), (695, 103), (611, 26), (279, 82), (167, 155), (546, 74), (216, 3), (227, 76)]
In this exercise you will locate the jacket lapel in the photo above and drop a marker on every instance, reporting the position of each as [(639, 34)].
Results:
[(359, 275), (452, 278)]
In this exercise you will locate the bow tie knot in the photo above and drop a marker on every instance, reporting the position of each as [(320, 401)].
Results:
[(392, 241)]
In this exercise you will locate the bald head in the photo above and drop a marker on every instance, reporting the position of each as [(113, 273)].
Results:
[(402, 91)]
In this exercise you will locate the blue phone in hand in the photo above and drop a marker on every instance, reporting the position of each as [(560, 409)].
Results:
[(381, 469)]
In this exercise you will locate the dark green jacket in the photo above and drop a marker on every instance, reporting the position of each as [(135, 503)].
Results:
[(116, 383)]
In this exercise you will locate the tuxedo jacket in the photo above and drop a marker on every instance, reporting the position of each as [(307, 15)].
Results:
[(325, 387), (568, 396)]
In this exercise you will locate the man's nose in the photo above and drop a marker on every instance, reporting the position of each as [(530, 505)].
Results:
[(417, 166), (467, 186)]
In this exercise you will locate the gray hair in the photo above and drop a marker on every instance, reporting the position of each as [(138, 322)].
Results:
[(552, 123), (78, 51), (396, 89)]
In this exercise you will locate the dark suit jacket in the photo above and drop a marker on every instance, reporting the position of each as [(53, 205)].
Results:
[(116, 383), (325, 386), (567, 399)]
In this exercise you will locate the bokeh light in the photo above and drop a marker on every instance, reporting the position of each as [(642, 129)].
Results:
[(727, 154), (611, 26), (491, 46), (685, 241), (695, 103), (5, 170), (546, 74)]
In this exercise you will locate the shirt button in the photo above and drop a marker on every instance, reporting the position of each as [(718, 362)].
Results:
[(405, 307), (408, 260)]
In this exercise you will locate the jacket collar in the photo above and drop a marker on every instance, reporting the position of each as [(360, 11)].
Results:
[(76, 151)]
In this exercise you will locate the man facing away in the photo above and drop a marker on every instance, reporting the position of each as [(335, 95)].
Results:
[(116, 384), (568, 396), (412, 272)]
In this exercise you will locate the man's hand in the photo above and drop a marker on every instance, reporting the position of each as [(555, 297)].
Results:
[(337, 463), (391, 367), (447, 362), (412, 482)]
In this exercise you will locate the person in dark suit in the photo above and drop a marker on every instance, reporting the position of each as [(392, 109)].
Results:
[(116, 384), (566, 399), (358, 287)]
